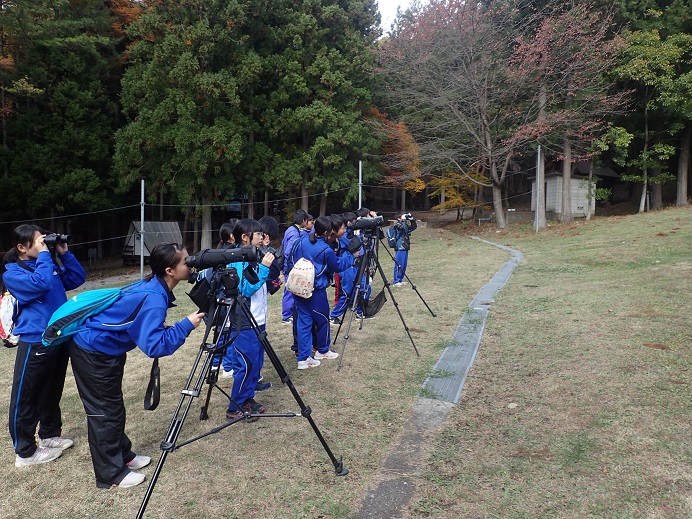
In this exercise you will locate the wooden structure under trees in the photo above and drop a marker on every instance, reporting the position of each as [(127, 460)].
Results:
[(154, 233)]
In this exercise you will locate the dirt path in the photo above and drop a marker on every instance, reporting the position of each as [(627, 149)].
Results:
[(107, 282), (394, 486)]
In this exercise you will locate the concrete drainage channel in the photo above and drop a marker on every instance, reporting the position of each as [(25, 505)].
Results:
[(394, 485)]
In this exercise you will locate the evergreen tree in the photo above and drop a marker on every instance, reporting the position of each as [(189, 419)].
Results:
[(231, 97), (319, 59), (187, 133), (59, 131)]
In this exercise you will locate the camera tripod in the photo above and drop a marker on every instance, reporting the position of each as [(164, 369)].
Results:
[(369, 264), (413, 286), (201, 373)]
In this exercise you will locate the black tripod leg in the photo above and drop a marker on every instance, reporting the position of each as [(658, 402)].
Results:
[(222, 341), (396, 305), (420, 296), (305, 411), (353, 300), (396, 263), (346, 336), (188, 394), (212, 382)]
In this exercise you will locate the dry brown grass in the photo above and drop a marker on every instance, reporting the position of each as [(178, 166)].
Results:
[(274, 468), (591, 339)]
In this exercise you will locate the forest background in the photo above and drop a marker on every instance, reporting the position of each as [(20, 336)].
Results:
[(274, 104)]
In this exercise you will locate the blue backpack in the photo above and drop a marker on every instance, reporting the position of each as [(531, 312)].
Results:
[(391, 236), (67, 319)]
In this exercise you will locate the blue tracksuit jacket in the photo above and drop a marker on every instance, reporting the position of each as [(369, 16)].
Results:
[(135, 320), (290, 236), (322, 257), (42, 292)]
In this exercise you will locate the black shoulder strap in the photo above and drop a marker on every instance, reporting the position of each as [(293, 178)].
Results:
[(154, 388), (23, 264)]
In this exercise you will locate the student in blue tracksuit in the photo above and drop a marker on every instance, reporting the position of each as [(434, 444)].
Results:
[(404, 226), (246, 352), (315, 310), (270, 227), (99, 350), (39, 286), (347, 277), (226, 241), (300, 218)]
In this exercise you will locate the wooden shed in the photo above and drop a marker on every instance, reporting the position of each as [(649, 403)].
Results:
[(154, 233), (552, 191)]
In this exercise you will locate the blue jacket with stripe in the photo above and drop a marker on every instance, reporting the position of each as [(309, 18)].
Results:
[(136, 320), (322, 257), (42, 292)]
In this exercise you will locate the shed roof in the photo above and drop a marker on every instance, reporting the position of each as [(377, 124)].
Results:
[(599, 171), (156, 232)]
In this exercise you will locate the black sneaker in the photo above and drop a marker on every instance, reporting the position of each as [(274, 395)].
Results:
[(334, 321), (255, 407), (263, 386)]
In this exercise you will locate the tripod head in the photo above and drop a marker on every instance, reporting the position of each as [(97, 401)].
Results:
[(209, 282), (227, 278)]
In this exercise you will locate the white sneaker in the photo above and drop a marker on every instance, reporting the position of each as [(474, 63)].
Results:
[(329, 355), (226, 374), (399, 284), (131, 480), (42, 455), (56, 442), (138, 462), (308, 363)]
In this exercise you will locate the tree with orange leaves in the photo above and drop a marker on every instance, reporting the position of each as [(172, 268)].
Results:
[(460, 190), (124, 13), (399, 155)]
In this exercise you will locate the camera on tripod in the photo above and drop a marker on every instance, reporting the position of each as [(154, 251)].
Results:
[(366, 223), (211, 258), (56, 239), (228, 279)]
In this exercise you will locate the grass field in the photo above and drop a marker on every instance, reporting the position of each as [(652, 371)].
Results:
[(579, 402), (590, 339)]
